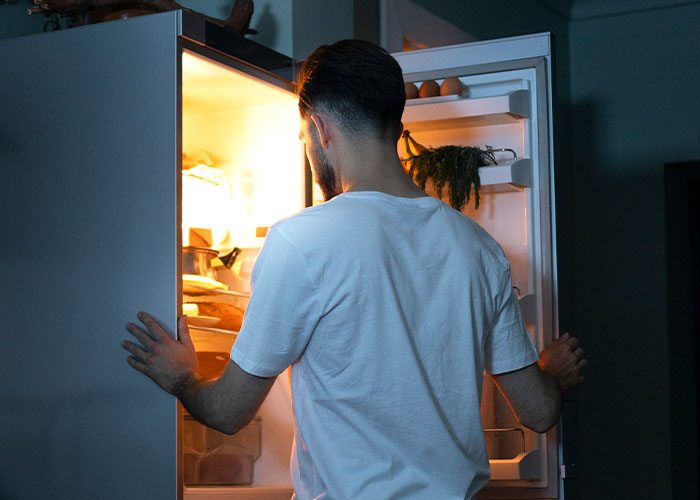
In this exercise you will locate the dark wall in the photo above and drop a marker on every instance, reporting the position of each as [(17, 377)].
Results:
[(14, 20), (634, 81)]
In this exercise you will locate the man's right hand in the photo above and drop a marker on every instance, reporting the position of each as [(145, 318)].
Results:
[(563, 361)]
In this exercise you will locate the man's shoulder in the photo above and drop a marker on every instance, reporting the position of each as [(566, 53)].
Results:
[(305, 217), (328, 212), (305, 226)]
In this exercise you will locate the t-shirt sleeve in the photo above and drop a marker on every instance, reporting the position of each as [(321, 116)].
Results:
[(282, 312), (508, 345)]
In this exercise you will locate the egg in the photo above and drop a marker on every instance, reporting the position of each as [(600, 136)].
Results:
[(451, 85), (429, 88), (411, 90)]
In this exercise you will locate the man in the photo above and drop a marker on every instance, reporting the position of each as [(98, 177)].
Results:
[(388, 304)]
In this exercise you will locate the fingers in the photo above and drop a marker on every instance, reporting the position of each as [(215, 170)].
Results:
[(183, 331), (138, 365), (153, 326), (572, 342), (140, 335), (138, 358), (138, 354), (560, 340)]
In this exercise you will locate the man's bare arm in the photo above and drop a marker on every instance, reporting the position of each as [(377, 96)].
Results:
[(535, 392), (534, 397), (226, 403), (229, 402)]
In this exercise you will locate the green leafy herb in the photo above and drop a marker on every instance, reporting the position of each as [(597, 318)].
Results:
[(454, 166)]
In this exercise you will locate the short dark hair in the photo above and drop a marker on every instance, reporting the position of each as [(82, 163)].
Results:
[(357, 82)]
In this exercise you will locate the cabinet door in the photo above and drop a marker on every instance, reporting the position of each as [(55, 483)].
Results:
[(89, 208)]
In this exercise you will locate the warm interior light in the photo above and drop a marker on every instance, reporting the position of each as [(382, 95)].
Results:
[(250, 128), (204, 172), (202, 281)]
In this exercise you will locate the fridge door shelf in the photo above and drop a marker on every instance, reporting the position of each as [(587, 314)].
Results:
[(510, 177), (525, 465), (458, 113)]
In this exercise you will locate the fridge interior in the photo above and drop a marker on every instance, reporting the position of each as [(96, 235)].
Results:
[(243, 170), (495, 111)]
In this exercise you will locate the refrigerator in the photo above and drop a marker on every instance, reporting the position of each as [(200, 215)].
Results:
[(123, 143)]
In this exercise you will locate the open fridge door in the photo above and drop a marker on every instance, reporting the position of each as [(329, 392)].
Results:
[(500, 102), (89, 197)]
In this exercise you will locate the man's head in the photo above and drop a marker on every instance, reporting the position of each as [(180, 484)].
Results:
[(358, 87), (358, 84)]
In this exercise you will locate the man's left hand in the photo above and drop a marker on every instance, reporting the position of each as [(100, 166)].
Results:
[(563, 360)]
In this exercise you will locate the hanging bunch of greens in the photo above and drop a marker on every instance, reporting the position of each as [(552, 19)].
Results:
[(456, 166)]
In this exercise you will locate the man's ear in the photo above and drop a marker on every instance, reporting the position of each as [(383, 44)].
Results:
[(323, 129)]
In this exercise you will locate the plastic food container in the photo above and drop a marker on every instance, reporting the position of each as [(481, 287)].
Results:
[(213, 458)]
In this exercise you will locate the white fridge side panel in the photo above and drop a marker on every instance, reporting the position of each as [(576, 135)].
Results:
[(88, 201)]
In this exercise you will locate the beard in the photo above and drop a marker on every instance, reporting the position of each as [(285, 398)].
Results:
[(324, 173)]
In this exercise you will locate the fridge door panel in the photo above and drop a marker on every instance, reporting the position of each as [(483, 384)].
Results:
[(88, 200), (505, 105)]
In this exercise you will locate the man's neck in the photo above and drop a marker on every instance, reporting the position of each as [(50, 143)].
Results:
[(375, 167)]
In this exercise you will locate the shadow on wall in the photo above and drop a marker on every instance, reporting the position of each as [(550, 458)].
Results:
[(14, 21), (622, 429), (682, 183)]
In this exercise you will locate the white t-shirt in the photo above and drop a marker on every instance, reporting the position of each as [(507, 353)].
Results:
[(389, 309)]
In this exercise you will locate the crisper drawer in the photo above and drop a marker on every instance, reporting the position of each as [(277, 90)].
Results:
[(238, 492), (213, 458)]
